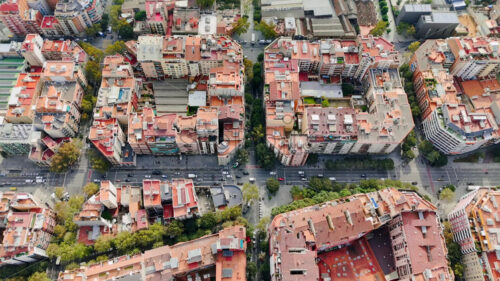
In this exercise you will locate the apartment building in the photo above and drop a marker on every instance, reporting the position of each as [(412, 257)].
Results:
[(23, 97), (345, 237), (457, 97), (184, 199), (475, 58), (32, 50), (40, 5), (58, 107), (474, 225), (152, 197), (16, 139), (300, 71), (19, 18), (44, 148), (157, 17), (108, 138), (72, 17), (119, 92), (219, 256), (27, 228), (51, 28)]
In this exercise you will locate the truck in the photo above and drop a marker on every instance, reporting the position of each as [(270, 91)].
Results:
[(253, 39)]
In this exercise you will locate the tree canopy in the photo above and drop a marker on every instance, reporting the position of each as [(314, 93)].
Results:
[(379, 29), (272, 185), (250, 192), (90, 189), (241, 26), (413, 46), (447, 194), (140, 16), (267, 29), (65, 157), (205, 4)]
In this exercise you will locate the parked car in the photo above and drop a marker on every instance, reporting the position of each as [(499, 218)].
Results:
[(332, 178), (245, 173), (272, 173), (156, 173), (147, 176), (281, 179)]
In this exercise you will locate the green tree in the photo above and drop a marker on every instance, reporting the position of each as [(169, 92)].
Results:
[(174, 229), (265, 156), (409, 154), (140, 16), (207, 221), (126, 31), (258, 133), (93, 72), (447, 194), (379, 28), (95, 53), (413, 46), (347, 89), (250, 192), (104, 22), (251, 270), (260, 57), (248, 68), (114, 15), (116, 48), (90, 189), (205, 4), (268, 30), (93, 30), (39, 276), (262, 225), (325, 103), (242, 156), (59, 192), (272, 185), (124, 241), (241, 26), (103, 244), (65, 157)]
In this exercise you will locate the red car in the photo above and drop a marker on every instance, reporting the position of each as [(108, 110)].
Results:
[(281, 179)]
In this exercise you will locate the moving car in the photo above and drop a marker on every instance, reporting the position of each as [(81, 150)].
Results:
[(281, 179)]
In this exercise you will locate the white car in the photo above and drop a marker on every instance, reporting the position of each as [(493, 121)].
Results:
[(332, 178), (272, 173), (147, 176), (301, 172)]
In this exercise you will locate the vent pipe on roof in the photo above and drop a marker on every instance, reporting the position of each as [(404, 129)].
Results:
[(348, 217), (311, 227), (330, 222)]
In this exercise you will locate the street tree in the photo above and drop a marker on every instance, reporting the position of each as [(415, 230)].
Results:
[(65, 157), (39, 276), (379, 28), (241, 26), (205, 4), (104, 22), (126, 31), (272, 185), (258, 133), (116, 48), (267, 29), (447, 194), (250, 192), (59, 192), (90, 189), (93, 30), (262, 225), (103, 244), (242, 156), (413, 46)]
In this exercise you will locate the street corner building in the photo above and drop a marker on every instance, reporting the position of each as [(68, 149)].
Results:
[(171, 95), (333, 97), (26, 228), (458, 92), (383, 235), (219, 257), (475, 225)]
